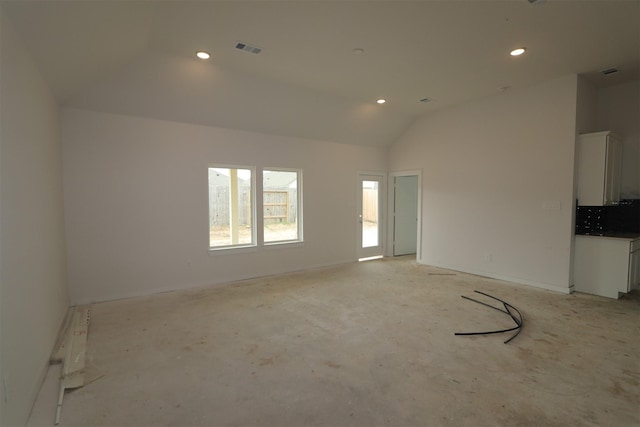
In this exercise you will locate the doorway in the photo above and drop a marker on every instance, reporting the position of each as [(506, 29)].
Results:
[(370, 225), (405, 218)]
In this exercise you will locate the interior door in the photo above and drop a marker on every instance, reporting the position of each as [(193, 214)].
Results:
[(405, 215), (370, 216)]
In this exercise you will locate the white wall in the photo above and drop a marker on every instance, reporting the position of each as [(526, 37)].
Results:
[(136, 205), (488, 168), (619, 111), (33, 290), (586, 107)]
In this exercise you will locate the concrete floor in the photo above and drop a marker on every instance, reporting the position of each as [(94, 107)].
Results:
[(364, 344)]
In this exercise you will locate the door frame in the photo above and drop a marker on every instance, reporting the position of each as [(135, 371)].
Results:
[(382, 212), (390, 212)]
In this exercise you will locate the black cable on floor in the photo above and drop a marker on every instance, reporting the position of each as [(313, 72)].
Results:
[(519, 321)]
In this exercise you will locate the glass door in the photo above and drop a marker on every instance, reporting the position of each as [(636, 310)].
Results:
[(370, 215)]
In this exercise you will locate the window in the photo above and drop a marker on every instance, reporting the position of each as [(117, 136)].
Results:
[(231, 218), (233, 210), (281, 205)]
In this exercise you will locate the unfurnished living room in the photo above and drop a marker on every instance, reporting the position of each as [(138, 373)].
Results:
[(319, 213)]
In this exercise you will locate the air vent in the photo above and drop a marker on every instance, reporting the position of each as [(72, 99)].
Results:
[(426, 100), (248, 48), (609, 71)]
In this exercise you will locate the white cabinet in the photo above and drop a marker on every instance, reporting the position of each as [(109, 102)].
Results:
[(634, 265), (599, 165), (606, 266)]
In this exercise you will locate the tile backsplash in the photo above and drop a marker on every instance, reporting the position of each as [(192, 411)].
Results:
[(597, 220)]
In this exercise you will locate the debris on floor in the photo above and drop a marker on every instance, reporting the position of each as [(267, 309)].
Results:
[(508, 310), (71, 351)]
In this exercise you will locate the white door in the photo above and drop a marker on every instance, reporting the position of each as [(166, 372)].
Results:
[(370, 215), (405, 215)]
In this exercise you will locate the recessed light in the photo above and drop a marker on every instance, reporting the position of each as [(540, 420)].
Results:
[(519, 51), (203, 55), (381, 101)]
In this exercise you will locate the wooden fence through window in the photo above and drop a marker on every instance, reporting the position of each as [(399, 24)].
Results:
[(370, 205)]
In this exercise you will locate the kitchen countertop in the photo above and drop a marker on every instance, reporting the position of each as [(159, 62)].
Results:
[(615, 235)]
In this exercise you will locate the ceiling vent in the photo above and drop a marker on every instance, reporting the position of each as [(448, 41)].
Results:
[(609, 71), (248, 48)]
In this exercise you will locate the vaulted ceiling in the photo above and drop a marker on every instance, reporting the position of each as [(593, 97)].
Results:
[(137, 57)]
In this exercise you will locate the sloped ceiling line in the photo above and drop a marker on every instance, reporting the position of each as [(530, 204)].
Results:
[(138, 58)]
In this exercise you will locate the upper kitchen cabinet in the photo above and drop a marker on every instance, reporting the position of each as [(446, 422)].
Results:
[(599, 164)]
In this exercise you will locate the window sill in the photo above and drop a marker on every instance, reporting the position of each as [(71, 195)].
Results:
[(230, 250), (284, 244)]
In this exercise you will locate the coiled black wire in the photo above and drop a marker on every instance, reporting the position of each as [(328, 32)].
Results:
[(508, 309)]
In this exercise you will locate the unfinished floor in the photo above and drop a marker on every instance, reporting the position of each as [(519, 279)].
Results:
[(364, 344)]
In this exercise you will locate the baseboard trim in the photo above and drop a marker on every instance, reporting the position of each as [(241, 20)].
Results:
[(203, 285), (506, 278)]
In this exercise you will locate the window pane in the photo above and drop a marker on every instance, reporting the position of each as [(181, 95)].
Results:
[(370, 223), (281, 205), (230, 207)]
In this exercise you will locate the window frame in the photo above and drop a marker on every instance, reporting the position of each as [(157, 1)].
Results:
[(257, 212), (299, 213), (254, 222)]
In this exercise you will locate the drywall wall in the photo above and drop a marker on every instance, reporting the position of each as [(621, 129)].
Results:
[(497, 188), (586, 107), (136, 205), (619, 111), (33, 286)]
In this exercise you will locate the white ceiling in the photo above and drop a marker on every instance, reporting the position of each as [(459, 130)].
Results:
[(137, 57)]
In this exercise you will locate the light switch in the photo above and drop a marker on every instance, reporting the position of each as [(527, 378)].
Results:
[(553, 205)]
